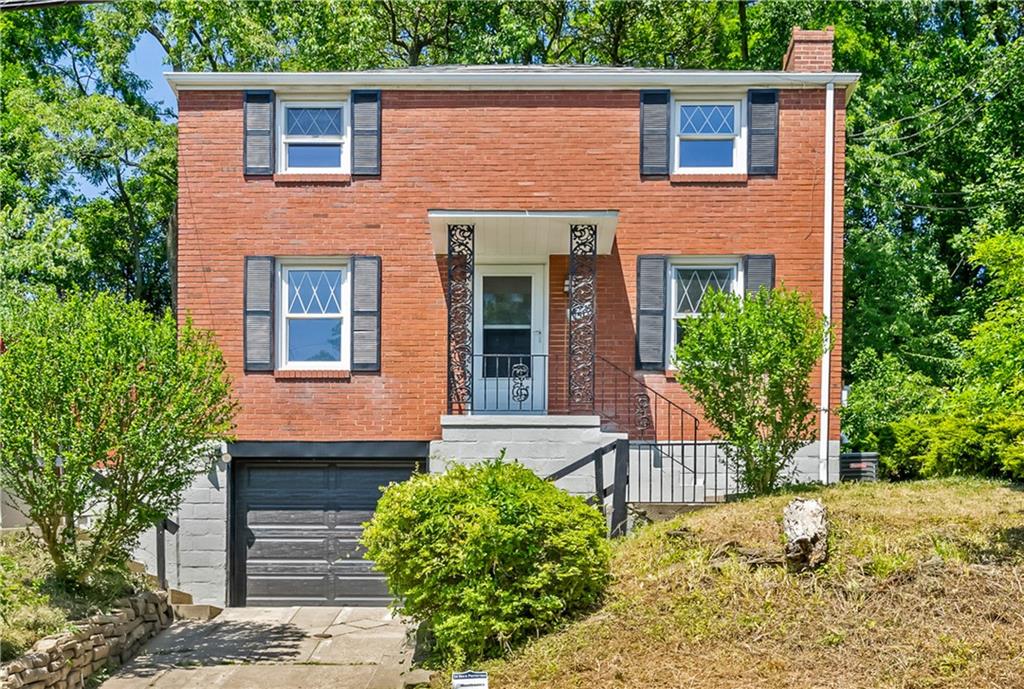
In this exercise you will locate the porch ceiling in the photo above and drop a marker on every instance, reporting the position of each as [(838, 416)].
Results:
[(521, 234)]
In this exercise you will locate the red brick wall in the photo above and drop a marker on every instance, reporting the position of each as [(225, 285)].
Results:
[(809, 51), (486, 150)]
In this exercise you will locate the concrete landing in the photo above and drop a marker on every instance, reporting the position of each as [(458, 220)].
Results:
[(288, 648)]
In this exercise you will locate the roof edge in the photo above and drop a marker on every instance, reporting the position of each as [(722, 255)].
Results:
[(504, 79)]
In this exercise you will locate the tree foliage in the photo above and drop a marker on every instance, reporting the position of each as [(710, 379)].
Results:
[(935, 130), (886, 392), (107, 414), (747, 362), (978, 426)]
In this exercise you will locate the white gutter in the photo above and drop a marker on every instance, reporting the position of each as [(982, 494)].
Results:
[(826, 359), (504, 78)]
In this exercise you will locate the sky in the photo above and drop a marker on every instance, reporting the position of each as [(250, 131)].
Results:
[(147, 60)]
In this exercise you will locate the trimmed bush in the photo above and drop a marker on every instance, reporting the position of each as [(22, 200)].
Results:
[(487, 556), (955, 443)]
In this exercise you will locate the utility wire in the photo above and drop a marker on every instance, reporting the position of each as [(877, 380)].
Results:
[(973, 86)]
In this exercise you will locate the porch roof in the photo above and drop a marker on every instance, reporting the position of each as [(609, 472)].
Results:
[(522, 234)]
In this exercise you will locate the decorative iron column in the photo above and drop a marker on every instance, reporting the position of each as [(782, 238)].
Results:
[(460, 318), (582, 315)]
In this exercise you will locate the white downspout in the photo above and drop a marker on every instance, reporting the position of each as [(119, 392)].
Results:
[(826, 359)]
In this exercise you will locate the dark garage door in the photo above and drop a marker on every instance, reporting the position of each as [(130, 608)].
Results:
[(297, 528)]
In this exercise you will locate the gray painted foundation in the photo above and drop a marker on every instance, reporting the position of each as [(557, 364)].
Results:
[(197, 554), (10, 518), (543, 444)]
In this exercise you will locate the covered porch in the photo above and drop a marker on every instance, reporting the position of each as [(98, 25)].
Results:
[(521, 290)]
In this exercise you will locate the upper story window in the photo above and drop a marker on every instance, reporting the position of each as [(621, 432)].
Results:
[(313, 137), (690, 281), (313, 329), (710, 137)]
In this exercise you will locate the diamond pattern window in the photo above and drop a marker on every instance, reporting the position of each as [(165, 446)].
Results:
[(314, 314), (690, 284), (314, 121), (709, 138), (313, 137), (707, 119)]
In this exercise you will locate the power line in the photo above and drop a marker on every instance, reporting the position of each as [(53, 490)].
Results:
[(973, 86), (11, 5)]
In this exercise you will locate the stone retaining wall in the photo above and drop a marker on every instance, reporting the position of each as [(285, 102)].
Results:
[(66, 660)]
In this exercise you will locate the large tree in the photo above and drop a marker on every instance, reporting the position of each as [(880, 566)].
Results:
[(107, 413)]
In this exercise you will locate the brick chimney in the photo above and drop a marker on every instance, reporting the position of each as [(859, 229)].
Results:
[(809, 51)]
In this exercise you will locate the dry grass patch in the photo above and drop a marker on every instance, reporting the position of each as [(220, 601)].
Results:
[(924, 588), (33, 605)]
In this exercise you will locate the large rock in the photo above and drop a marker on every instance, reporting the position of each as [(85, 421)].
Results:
[(805, 525)]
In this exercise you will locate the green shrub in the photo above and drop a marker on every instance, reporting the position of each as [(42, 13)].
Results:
[(884, 391), (747, 362), (954, 443), (106, 411), (487, 556)]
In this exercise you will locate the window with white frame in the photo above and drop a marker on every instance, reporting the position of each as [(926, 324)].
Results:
[(313, 328), (710, 137), (313, 137), (692, 280)]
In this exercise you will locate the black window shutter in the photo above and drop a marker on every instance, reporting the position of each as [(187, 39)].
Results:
[(758, 272), (258, 134), (366, 313), (655, 120), (258, 313), (651, 312), (366, 132), (763, 123)]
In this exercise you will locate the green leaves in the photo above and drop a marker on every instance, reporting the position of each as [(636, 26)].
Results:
[(488, 555), (93, 384), (747, 362), (886, 391), (978, 426)]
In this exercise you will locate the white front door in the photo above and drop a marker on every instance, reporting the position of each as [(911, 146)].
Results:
[(510, 361)]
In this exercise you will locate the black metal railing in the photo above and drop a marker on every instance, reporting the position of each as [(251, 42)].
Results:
[(667, 462), (629, 405), (512, 383), (618, 490), (678, 473)]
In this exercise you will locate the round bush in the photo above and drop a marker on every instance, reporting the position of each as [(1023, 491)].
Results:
[(487, 555)]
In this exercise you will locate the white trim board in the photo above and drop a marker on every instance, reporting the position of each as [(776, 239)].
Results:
[(505, 78)]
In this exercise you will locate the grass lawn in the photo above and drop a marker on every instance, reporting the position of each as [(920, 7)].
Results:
[(32, 605), (924, 588)]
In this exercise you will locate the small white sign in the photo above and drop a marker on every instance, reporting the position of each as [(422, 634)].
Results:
[(469, 680)]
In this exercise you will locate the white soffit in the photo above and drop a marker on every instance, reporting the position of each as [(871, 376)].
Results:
[(521, 234)]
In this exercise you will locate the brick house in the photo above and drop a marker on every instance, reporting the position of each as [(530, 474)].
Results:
[(410, 267)]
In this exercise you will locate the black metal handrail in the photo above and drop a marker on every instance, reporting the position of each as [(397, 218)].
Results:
[(618, 488), (634, 407), (667, 462)]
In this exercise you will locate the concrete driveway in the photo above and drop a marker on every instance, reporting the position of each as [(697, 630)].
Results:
[(283, 648)]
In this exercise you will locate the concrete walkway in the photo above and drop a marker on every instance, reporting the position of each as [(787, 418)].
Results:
[(282, 648)]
